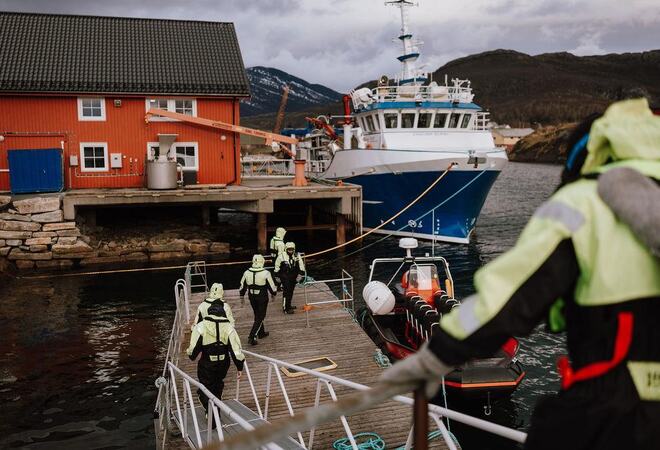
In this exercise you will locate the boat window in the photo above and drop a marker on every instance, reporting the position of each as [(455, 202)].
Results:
[(408, 120), (376, 122), (422, 277), (391, 120), (370, 123), (453, 120), (424, 120), (466, 120), (440, 120)]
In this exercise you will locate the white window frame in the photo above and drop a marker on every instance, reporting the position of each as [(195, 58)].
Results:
[(106, 162), (188, 144), (173, 150), (376, 119), (88, 118), (430, 119), (171, 106), (469, 124), (444, 124), (398, 119)]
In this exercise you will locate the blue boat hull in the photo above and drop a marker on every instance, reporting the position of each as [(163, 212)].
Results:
[(448, 212)]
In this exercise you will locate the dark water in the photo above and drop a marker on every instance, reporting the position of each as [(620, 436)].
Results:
[(78, 356)]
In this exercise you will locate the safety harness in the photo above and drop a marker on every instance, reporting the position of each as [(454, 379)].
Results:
[(253, 288), (216, 351)]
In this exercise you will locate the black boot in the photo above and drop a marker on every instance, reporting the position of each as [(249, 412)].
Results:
[(289, 311), (263, 334), (252, 340)]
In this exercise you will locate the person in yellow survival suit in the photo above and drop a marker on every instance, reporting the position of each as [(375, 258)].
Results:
[(216, 295), (257, 282), (589, 273), (217, 340)]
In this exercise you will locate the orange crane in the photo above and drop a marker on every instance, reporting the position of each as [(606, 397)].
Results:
[(280, 113), (268, 137)]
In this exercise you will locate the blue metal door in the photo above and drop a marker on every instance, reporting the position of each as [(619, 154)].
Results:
[(38, 170)]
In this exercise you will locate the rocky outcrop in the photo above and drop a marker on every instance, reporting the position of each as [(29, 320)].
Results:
[(33, 235), (545, 145)]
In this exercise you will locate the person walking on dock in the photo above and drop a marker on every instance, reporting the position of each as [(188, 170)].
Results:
[(277, 243), (277, 247), (217, 340), (257, 282), (216, 294), (288, 266), (586, 262)]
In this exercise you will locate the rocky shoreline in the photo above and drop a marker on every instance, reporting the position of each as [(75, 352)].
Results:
[(545, 145), (33, 235)]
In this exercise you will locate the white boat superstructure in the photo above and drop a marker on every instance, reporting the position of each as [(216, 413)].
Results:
[(396, 138)]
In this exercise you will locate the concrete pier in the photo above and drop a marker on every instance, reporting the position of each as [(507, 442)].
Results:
[(342, 202)]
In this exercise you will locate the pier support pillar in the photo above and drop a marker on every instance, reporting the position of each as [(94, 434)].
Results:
[(262, 221), (341, 229), (206, 215), (89, 216), (309, 222)]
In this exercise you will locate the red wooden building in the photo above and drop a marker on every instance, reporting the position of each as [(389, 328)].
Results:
[(83, 84)]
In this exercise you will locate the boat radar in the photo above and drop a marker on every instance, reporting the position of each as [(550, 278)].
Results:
[(408, 244)]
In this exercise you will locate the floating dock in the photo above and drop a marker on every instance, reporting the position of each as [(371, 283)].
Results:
[(327, 330)]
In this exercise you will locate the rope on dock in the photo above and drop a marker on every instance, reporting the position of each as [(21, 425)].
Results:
[(235, 263)]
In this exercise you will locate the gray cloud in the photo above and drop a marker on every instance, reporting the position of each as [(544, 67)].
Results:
[(345, 42)]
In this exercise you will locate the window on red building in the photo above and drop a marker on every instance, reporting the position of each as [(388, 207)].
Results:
[(186, 106), (91, 108), (93, 156)]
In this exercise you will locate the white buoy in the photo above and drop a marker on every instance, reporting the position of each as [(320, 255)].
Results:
[(378, 297)]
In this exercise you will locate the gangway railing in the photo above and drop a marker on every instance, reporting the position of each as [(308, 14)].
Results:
[(176, 405), (162, 411), (345, 297), (195, 277)]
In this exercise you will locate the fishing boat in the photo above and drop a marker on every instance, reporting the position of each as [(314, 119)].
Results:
[(405, 299), (396, 139)]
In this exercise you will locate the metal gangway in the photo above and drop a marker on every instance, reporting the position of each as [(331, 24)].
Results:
[(179, 413)]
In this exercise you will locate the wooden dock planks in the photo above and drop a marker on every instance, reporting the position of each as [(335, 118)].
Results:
[(333, 334)]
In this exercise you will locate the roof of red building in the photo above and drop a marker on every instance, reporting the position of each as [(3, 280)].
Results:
[(93, 54)]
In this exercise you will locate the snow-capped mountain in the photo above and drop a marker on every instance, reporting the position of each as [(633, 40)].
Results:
[(266, 86)]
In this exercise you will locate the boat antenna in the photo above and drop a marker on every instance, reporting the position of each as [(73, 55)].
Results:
[(409, 73)]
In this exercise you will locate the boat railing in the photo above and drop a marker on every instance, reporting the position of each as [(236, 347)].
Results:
[(481, 120), (316, 165), (344, 296), (412, 93), (266, 167)]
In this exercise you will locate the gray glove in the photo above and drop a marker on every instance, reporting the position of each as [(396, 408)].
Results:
[(635, 199), (423, 367)]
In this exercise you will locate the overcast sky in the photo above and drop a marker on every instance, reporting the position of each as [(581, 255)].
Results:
[(341, 43)]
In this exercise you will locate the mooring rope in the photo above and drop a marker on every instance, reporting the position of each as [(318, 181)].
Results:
[(235, 263)]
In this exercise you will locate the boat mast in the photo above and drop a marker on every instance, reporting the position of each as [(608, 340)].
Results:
[(409, 73)]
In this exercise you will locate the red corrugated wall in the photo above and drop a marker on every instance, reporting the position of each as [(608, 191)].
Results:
[(47, 122)]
